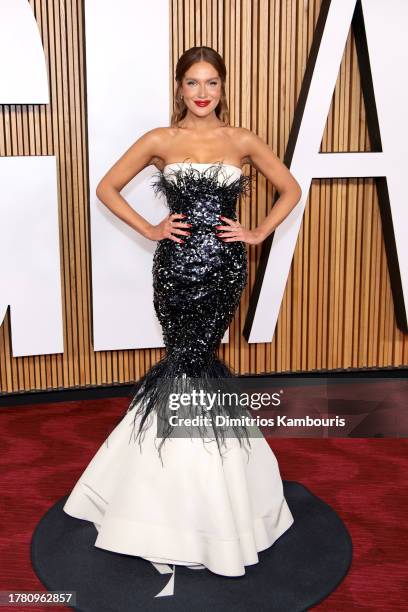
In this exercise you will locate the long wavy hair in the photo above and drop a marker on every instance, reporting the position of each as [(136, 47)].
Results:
[(187, 59)]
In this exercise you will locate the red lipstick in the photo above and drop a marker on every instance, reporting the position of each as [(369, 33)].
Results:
[(202, 103)]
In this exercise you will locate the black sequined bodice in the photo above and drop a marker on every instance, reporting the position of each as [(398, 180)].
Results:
[(197, 285)]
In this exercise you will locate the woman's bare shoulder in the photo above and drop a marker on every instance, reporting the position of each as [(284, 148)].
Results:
[(243, 135), (159, 135), (156, 142), (244, 141)]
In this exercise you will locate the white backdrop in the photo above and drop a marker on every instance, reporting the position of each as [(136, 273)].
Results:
[(127, 59), (386, 25)]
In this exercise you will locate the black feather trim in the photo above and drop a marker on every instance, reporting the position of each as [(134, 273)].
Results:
[(177, 180)]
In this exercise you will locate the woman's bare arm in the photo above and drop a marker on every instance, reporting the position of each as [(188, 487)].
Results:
[(265, 160), (138, 156)]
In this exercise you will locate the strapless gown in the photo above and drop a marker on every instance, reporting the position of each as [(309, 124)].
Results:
[(202, 501)]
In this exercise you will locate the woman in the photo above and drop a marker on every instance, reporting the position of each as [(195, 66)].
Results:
[(207, 500)]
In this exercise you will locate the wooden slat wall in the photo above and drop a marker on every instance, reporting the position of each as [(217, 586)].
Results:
[(337, 310)]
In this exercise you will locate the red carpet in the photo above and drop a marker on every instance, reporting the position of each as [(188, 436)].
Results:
[(44, 449)]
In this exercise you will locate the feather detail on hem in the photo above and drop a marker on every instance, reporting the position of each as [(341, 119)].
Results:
[(152, 391)]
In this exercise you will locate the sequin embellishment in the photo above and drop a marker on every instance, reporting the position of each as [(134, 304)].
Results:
[(197, 285)]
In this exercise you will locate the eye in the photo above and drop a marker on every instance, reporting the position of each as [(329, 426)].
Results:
[(190, 82)]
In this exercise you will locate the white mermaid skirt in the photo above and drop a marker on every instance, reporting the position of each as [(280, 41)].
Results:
[(192, 508)]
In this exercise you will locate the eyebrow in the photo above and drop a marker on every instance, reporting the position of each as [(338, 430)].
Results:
[(194, 79)]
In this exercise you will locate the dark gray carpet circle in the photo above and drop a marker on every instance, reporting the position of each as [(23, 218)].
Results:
[(298, 571)]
